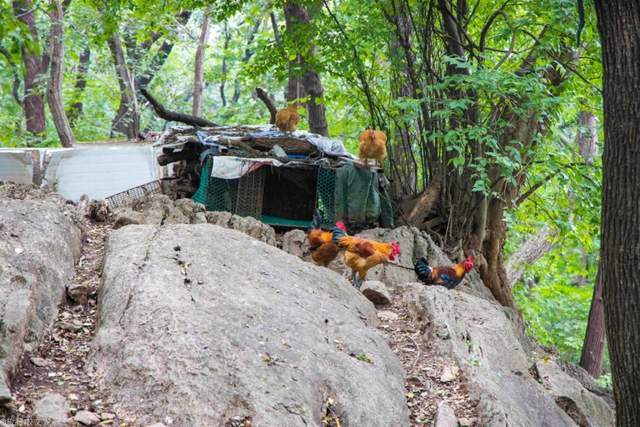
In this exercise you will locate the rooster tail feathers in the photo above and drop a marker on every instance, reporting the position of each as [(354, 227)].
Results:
[(422, 269), (338, 233), (318, 217)]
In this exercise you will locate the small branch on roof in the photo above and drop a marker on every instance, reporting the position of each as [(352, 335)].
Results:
[(174, 116), (264, 97)]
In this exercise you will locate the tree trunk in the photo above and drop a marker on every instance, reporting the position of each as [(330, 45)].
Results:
[(248, 53), (198, 83), (619, 26), (127, 119), (34, 66), (296, 15), (534, 248), (54, 92), (75, 110), (595, 337), (223, 80), (587, 135)]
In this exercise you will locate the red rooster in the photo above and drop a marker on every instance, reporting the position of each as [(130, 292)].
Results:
[(449, 276)]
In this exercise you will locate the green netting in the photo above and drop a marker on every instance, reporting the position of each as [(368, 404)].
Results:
[(215, 193), (348, 193), (326, 193)]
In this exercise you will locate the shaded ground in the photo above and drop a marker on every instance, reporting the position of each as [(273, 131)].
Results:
[(424, 369), (57, 365)]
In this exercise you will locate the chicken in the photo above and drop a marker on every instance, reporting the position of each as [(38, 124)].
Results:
[(321, 242), (287, 119), (449, 276), (373, 145), (361, 255)]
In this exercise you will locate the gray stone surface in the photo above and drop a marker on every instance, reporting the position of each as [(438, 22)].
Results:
[(584, 406), (86, 418), (445, 417), (39, 245), (51, 410), (495, 359), (228, 327), (295, 242)]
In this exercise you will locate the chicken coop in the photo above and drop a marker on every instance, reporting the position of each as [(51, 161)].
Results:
[(280, 179)]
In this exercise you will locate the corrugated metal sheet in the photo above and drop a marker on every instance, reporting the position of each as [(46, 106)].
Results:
[(100, 171)]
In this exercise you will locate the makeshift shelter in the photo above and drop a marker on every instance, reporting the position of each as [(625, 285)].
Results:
[(278, 178)]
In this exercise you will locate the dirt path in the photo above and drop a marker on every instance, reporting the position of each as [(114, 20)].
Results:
[(424, 369), (58, 364)]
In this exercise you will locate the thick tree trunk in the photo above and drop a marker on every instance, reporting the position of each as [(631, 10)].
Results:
[(595, 337), (300, 72), (127, 119), (619, 26), (75, 110), (54, 92), (198, 82), (34, 66)]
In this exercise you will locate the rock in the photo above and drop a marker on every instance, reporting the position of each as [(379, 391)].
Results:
[(78, 293), (445, 417), (256, 340), (387, 316), (51, 410), (415, 244), (71, 326), (466, 422), (293, 242), (376, 292), (254, 228), (5, 393), (86, 418), (107, 416), (449, 373), (32, 284), (127, 216), (219, 218), (40, 362), (157, 425), (584, 407), (492, 353)]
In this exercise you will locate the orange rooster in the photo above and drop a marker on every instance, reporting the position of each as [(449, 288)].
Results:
[(321, 242), (449, 277), (373, 145), (287, 119), (362, 254)]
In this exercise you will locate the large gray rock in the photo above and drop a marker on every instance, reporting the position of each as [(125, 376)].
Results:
[(247, 225), (495, 358), (200, 325), (586, 408), (415, 244), (51, 410), (39, 245)]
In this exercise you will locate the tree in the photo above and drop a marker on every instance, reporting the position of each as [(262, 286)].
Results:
[(298, 23), (54, 92), (127, 119), (76, 108), (198, 83), (619, 27), (34, 66), (595, 338)]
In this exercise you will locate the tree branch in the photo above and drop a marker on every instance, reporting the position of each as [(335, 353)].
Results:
[(163, 113), (268, 102)]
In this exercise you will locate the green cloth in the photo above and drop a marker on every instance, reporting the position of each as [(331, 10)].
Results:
[(358, 197)]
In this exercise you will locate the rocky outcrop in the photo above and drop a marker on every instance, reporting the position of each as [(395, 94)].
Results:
[(39, 245), (200, 325), (499, 362), (51, 410), (160, 209)]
